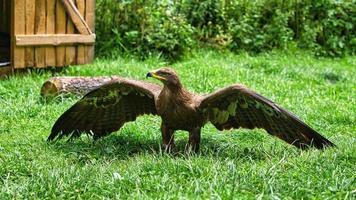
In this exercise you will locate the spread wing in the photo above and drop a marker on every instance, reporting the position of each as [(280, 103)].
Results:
[(107, 108), (236, 106)]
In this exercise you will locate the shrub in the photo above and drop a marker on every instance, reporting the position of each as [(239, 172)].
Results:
[(260, 27), (142, 27), (326, 26), (170, 28)]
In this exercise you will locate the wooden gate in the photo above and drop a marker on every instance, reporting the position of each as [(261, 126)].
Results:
[(52, 33)]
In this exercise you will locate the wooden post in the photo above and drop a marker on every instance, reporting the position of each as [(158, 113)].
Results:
[(50, 29), (61, 23), (81, 48), (70, 50), (30, 30), (90, 19), (18, 57), (40, 28)]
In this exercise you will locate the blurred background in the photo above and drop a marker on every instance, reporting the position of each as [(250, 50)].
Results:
[(171, 28)]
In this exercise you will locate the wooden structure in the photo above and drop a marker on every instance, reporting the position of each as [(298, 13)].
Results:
[(46, 33)]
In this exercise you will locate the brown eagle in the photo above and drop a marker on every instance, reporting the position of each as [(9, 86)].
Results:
[(107, 108)]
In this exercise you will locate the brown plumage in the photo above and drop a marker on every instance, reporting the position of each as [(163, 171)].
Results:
[(107, 108)]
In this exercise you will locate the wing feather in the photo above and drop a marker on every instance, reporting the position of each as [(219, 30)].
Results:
[(248, 109), (107, 108)]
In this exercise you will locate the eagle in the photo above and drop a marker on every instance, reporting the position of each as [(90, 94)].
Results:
[(107, 108)]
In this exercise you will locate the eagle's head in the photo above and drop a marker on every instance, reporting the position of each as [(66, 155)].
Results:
[(167, 76)]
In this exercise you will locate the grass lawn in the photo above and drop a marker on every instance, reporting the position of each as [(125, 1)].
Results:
[(237, 164)]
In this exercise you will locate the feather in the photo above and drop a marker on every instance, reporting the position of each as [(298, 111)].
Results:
[(255, 111), (106, 109)]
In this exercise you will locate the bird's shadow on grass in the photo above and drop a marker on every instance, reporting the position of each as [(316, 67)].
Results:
[(114, 146), (126, 146)]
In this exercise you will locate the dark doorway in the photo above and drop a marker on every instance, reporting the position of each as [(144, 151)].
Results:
[(5, 27)]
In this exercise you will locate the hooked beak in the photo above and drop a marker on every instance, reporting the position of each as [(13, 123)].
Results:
[(155, 75)]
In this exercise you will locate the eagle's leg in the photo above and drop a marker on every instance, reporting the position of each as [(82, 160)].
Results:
[(167, 138), (194, 141)]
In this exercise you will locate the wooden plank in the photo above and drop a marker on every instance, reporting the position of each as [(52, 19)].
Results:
[(30, 30), (90, 14), (54, 39), (50, 29), (40, 28), (70, 50), (81, 48), (61, 23), (76, 18), (90, 19), (18, 57)]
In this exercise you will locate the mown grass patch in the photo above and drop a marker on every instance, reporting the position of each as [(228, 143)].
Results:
[(231, 164)]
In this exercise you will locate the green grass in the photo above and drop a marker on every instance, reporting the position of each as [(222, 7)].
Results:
[(236, 164)]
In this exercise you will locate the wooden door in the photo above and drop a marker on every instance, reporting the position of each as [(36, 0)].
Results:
[(53, 32)]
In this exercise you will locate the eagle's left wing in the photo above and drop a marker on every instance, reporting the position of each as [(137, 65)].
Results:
[(107, 108), (236, 106)]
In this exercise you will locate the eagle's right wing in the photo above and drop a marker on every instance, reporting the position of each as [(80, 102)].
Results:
[(237, 106), (107, 108)]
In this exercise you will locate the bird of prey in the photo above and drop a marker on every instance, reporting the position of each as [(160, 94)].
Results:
[(107, 108)]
